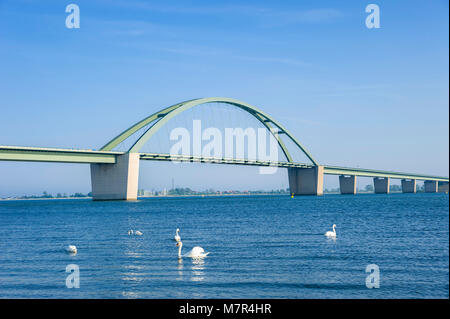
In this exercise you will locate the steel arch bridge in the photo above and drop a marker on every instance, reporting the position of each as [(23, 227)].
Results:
[(114, 174), (159, 119)]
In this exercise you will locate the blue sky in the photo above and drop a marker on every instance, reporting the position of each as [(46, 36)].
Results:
[(373, 98)]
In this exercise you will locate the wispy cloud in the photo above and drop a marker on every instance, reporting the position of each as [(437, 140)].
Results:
[(207, 51), (314, 15), (171, 38), (300, 121), (269, 15), (281, 60), (221, 54), (302, 16)]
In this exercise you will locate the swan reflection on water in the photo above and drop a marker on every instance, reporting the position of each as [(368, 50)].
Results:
[(180, 269), (198, 267), (132, 254), (133, 269), (130, 295)]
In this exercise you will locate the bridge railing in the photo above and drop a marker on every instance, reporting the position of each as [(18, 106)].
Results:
[(217, 160)]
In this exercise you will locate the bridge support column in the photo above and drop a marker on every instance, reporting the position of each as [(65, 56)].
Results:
[(347, 184), (408, 186), (381, 185), (306, 181), (117, 181), (431, 186), (443, 187)]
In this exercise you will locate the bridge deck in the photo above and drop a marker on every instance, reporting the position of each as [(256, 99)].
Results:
[(39, 154), (335, 170)]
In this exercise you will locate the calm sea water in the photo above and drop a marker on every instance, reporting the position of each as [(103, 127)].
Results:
[(261, 247)]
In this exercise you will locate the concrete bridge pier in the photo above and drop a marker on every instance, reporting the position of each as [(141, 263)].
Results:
[(431, 186), (306, 181), (409, 185), (117, 181), (443, 187), (347, 184), (381, 185)]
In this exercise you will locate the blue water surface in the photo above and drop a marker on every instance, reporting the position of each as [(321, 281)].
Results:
[(260, 247)]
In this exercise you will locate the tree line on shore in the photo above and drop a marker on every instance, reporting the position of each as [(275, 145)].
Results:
[(58, 195)]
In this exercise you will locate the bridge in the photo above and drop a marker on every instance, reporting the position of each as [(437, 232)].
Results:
[(115, 174)]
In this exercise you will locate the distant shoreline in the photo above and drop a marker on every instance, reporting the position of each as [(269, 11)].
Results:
[(172, 196), (139, 197), (215, 195), (37, 198)]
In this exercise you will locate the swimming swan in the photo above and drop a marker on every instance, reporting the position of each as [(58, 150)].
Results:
[(177, 237), (130, 232), (71, 249), (331, 234), (196, 252), (138, 233)]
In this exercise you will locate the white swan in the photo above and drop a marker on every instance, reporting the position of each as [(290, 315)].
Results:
[(71, 249), (331, 234), (138, 233), (130, 232), (177, 237), (196, 252)]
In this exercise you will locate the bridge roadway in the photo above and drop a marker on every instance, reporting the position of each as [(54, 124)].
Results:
[(84, 156)]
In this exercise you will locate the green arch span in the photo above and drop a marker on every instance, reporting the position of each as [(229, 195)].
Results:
[(162, 117)]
